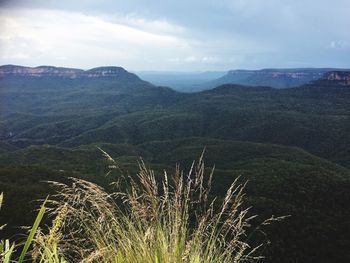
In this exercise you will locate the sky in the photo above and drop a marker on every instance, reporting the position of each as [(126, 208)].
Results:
[(176, 35)]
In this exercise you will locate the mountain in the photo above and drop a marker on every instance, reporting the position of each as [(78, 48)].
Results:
[(49, 89), (335, 79), (276, 78), (119, 73), (37, 72), (74, 112), (50, 109)]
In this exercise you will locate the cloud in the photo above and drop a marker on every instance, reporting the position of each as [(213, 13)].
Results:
[(190, 59), (176, 35), (154, 26), (45, 36), (339, 44)]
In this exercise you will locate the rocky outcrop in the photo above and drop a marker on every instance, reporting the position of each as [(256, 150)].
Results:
[(68, 73), (109, 72), (42, 71), (334, 78), (275, 73)]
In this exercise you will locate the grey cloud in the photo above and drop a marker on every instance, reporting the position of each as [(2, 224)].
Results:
[(234, 33)]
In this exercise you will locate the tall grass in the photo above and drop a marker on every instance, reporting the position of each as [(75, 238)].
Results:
[(147, 221), (173, 220)]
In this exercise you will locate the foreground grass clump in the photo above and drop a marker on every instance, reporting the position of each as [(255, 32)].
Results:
[(144, 221), (172, 221)]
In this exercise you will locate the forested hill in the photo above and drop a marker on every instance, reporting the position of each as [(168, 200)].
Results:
[(78, 111), (47, 91)]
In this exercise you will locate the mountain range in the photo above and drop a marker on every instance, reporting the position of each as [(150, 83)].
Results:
[(276, 78), (7, 71)]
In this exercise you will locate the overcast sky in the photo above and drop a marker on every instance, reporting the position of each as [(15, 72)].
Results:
[(177, 35)]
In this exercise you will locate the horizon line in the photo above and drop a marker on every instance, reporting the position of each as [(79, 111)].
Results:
[(177, 71)]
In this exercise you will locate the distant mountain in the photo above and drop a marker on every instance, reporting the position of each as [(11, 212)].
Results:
[(276, 78), (66, 73), (42, 71), (31, 98), (334, 78)]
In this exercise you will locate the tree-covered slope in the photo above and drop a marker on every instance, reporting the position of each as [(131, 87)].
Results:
[(281, 181), (72, 112)]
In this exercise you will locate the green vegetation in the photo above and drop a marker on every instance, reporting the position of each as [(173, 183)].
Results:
[(282, 181), (144, 221), (313, 118)]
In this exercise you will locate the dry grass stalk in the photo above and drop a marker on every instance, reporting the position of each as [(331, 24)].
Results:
[(168, 222)]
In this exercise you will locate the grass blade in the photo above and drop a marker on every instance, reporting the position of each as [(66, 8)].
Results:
[(1, 198), (8, 251), (32, 232)]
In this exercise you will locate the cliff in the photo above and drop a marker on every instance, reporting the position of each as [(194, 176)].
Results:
[(334, 78), (68, 73), (276, 78)]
